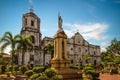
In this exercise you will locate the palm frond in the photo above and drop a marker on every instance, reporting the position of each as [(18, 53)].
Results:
[(8, 34), (3, 46)]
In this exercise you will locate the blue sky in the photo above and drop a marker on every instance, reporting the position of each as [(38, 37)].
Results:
[(97, 20)]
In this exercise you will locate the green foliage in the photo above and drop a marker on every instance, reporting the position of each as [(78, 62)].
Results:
[(50, 72), (114, 47), (95, 76), (114, 71), (42, 78), (58, 77), (3, 68), (34, 76), (23, 69), (9, 40), (16, 68), (29, 73), (48, 49), (15, 59), (86, 57), (9, 68), (24, 43), (117, 60), (2, 61), (89, 68), (73, 66), (38, 69), (8, 73)]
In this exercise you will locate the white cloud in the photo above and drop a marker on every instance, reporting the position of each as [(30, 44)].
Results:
[(7, 50), (103, 49), (105, 44), (89, 30)]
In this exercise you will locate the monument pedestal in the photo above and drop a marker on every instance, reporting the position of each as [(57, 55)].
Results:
[(60, 63), (62, 66)]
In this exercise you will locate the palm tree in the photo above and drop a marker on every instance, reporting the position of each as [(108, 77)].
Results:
[(24, 43), (48, 49), (44, 52), (8, 40)]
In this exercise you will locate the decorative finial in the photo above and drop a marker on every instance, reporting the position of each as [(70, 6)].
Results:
[(59, 21), (31, 6)]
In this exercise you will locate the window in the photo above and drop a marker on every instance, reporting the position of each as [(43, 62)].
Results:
[(31, 57), (33, 39), (25, 21), (32, 23), (94, 52), (71, 49)]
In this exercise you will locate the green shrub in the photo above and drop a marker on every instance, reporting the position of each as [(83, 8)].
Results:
[(73, 66), (23, 69), (50, 72), (58, 77), (29, 73), (8, 74), (95, 76), (38, 69), (114, 71), (88, 69), (3, 68), (42, 78), (34, 76), (9, 68), (16, 68)]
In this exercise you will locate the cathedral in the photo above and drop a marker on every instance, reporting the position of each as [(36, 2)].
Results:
[(77, 46)]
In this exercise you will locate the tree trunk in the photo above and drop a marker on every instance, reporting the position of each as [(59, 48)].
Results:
[(12, 62), (43, 59), (23, 57)]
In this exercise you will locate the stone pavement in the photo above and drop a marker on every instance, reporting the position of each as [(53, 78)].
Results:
[(109, 77)]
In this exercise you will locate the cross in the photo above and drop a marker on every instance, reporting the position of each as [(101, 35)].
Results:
[(31, 5)]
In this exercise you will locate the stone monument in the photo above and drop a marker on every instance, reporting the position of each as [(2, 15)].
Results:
[(60, 60)]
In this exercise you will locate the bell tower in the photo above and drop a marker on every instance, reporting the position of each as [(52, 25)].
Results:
[(31, 27)]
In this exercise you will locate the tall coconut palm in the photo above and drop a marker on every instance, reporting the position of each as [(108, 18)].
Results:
[(8, 40), (48, 49), (24, 43), (44, 52)]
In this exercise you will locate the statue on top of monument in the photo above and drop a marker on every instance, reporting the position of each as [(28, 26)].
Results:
[(60, 21)]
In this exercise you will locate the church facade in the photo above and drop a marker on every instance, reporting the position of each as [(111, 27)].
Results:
[(77, 46)]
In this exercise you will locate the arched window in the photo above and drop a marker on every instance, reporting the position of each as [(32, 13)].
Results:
[(63, 49), (31, 57), (95, 62), (25, 21), (33, 39), (32, 23)]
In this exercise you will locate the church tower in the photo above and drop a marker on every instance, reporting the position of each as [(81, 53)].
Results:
[(31, 27)]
